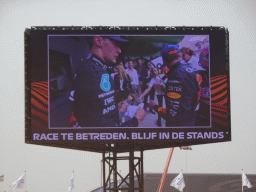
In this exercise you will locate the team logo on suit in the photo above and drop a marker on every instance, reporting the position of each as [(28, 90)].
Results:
[(104, 83)]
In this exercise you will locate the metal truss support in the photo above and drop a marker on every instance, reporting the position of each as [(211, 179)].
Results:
[(113, 181)]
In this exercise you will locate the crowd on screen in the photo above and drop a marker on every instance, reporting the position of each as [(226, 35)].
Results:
[(140, 80), (109, 94)]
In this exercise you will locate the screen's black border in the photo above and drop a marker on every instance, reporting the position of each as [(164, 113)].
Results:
[(36, 45)]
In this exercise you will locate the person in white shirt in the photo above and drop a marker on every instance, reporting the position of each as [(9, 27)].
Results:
[(133, 77), (192, 61), (159, 85)]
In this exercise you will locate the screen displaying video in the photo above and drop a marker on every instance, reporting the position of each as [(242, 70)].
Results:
[(88, 86), (127, 87)]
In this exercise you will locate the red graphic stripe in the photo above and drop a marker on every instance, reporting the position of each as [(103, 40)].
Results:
[(219, 96), (213, 79), (217, 76), (40, 115), (218, 89), (41, 88), (39, 105), (220, 106), (219, 114), (218, 83), (44, 84), (219, 109), (39, 97), (224, 101), (219, 121), (41, 92)]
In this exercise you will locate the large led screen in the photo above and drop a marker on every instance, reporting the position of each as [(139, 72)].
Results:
[(86, 88)]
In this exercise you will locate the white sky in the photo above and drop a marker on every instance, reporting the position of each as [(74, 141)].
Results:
[(49, 169)]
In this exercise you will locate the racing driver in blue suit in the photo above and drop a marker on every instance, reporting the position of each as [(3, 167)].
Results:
[(94, 90)]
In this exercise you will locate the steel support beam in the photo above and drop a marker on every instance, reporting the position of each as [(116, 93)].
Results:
[(113, 181)]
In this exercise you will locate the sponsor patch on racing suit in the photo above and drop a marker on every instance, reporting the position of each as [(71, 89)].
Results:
[(181, 96), (94, 96)]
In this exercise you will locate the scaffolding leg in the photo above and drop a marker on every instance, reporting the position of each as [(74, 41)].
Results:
[(133, 181)]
